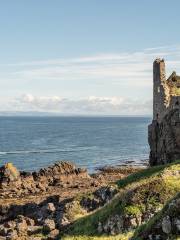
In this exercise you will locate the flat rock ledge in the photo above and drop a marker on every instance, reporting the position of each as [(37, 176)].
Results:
[(14, 183)]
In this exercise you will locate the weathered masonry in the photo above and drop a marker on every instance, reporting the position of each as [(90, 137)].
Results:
[(164, 132)]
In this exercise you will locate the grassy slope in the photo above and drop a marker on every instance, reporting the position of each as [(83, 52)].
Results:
[(158, 179)]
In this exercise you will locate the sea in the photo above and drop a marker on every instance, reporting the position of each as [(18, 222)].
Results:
[(31, 143)]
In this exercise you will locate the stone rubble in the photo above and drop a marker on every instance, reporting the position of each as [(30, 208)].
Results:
[(27, 217)]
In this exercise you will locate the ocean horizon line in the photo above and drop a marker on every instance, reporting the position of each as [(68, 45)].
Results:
[(54, 114)]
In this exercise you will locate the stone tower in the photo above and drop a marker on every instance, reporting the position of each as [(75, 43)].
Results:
[(160, 91), (164, 132)]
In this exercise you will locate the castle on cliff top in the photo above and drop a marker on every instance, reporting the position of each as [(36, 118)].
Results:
[(164, 131), (166, 92)]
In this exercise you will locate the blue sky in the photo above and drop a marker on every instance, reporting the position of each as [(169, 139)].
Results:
[(85, 56)]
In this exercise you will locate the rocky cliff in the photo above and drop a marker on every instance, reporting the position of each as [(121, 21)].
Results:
[(164, 139)]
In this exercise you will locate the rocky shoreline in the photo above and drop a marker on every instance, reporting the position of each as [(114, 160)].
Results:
[(38, 204)]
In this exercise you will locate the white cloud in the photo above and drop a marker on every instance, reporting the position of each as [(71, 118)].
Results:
[(125, 79), (91, 105), (122, 66)]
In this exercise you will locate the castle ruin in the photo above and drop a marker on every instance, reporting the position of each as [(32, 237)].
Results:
[(164, 132)]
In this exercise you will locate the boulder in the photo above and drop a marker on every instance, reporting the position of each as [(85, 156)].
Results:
[(34, 230), (50, 207), (177, 224), (3, 231), (12, 235), (10, 224), (9, 173), (166, 225), (113, 226), (49, 225), (29, 221), (21, 225), (53, 234), (98, 198), (106, 193)]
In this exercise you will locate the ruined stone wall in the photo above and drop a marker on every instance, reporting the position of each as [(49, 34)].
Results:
[(164, 132), (160, 90), (166, 92)]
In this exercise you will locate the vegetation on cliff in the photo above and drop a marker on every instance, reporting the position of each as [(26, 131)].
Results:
[(141, 197), (166, 223)]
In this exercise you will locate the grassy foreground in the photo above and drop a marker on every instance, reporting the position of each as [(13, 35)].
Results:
[(149, 189)]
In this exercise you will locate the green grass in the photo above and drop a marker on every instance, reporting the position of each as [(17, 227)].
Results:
[(124, 236), (135, 209), (143, 174), (151, 188)]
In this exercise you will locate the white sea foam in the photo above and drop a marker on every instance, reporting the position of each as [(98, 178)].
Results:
[(46, 151)]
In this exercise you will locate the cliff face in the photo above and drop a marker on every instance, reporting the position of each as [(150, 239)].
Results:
[(164, 139), (164, 132)]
